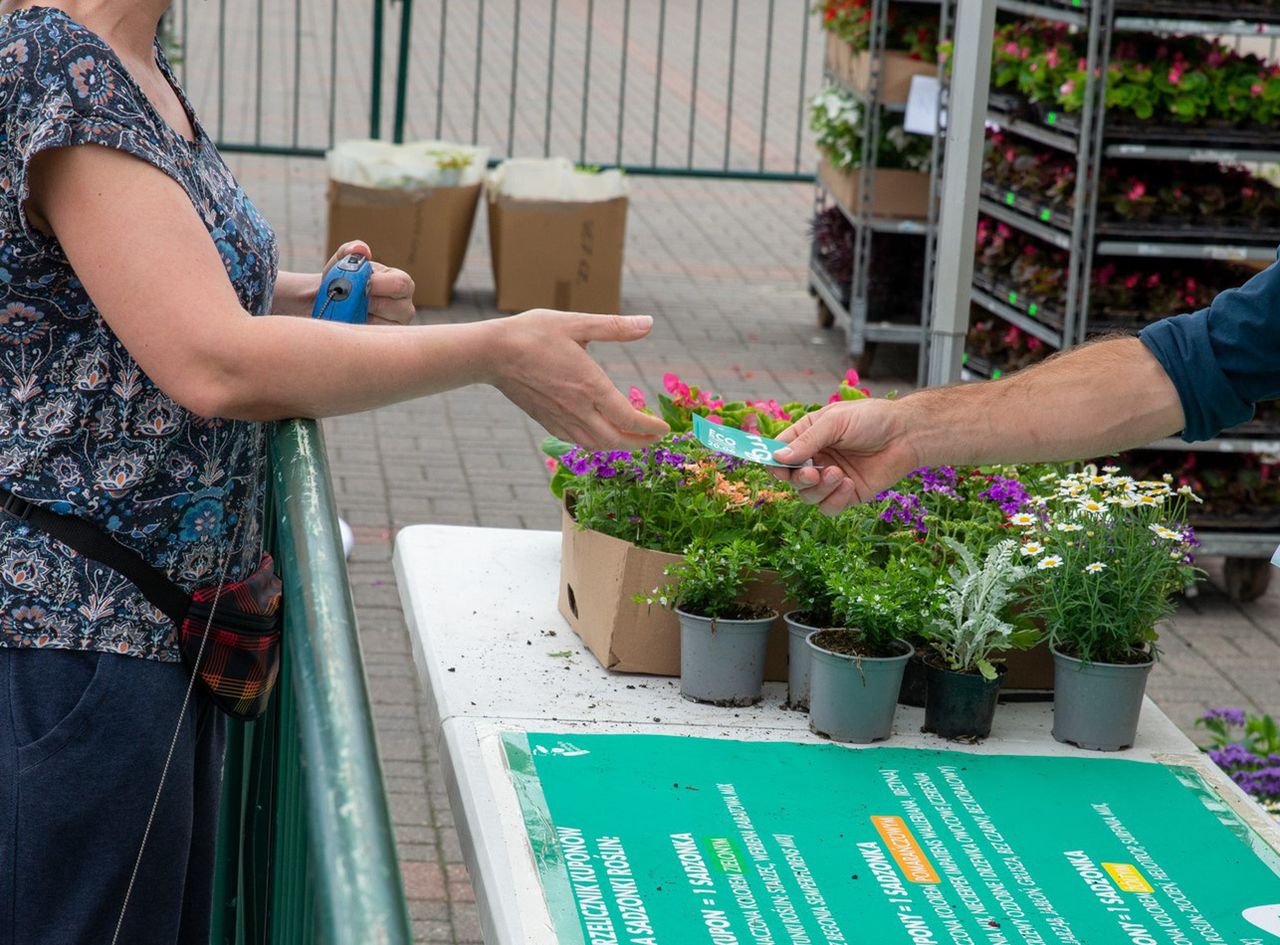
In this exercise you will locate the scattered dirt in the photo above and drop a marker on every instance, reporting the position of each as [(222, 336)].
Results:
[(727, 703)]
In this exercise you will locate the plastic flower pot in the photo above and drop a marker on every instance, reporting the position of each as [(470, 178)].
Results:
[(853, 698), (1096, 705), (960, 705), (915, 684), (798, 661), (722, 661)]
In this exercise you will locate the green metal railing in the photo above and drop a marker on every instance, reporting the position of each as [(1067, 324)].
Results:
[(699, 88), (306, 852)]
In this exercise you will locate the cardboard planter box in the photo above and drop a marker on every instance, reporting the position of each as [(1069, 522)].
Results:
[(599, 575), (898, 194), (424, 232), (897, 70), (561, 255)]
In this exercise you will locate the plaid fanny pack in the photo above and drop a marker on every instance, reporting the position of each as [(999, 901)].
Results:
[(229, 635)]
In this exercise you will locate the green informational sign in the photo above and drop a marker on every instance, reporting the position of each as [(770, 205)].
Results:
[(653, 840), (752, 447)]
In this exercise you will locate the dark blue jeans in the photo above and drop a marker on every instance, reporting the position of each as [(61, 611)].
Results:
[(83, 738)]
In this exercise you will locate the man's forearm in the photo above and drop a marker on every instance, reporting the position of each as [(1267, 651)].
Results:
[(1091, 401)]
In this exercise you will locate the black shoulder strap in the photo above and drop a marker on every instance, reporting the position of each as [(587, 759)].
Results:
[(97, 545)]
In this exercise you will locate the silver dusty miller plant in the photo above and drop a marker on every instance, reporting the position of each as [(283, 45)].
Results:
[(972, 629)]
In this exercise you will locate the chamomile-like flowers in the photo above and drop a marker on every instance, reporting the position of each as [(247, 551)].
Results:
[(1150, 499), (1022, 520), (1049, 561), (1166, 533), (1070, 527), (1092, 506), (1032, 548), (1096, 567)]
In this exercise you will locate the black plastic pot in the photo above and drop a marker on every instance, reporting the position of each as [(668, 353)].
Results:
[(914, 683), (960, 705)]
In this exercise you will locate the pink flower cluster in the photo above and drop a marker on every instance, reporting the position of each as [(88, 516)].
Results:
[(682, 394), (852, 380)]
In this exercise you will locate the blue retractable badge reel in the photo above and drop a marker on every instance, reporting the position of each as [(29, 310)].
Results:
[(344, 291)]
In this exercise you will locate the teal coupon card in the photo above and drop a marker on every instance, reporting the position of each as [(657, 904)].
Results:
[(749, 446)]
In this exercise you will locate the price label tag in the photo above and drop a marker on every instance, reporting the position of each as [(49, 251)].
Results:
[(749, 446), (922, 107)]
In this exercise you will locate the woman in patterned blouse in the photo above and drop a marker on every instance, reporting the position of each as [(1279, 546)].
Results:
[(134, 377)]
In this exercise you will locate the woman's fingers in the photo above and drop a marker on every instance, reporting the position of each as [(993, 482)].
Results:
[(346, 249)]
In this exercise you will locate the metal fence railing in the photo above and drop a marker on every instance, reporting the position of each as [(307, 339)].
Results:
[(306, 852), (690, 87)]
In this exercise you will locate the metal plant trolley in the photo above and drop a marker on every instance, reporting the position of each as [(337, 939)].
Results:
[(1086, 238), (496, 658), (862, 326)]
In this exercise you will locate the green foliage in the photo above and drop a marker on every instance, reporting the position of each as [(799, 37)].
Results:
[(882, 595), (711, 580), (974, 625), (1110, 552), (836, 118)]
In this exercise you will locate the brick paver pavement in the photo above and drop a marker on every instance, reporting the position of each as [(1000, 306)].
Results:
[(721, 267)]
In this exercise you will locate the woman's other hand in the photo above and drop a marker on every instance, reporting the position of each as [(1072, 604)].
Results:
[(390, 290), (543, 367)]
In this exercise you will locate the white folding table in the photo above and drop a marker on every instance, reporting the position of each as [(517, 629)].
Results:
[(495, 656)]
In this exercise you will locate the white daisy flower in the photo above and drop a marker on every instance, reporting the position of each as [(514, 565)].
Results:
[(1150, 500), (1166, 533), (1032, 548), (1022, 519), (1070, 527), (1049, 561), (1096, 568), (1111, 470), (1092, 506)]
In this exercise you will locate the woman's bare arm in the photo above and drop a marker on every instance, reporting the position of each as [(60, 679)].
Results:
[(135, 240)]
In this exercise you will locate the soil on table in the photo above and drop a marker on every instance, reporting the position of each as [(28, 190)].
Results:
[(851, 643)]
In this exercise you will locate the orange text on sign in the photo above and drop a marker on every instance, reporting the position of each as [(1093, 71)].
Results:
[(904, 848), (1127, 877)]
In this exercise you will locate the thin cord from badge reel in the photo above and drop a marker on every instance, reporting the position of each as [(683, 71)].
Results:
[(186, 699)]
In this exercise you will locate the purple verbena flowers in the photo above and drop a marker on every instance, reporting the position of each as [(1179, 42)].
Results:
[(1010, 494), (904, 509)]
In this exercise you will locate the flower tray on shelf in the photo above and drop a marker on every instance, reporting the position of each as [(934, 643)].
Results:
[(1216, 133), (1262, 10), (1044, 312)]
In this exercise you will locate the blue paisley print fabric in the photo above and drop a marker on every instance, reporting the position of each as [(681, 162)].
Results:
[(82, 429)]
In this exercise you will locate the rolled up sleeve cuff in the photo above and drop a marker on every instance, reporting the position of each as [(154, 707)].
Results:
[(1210, 403)]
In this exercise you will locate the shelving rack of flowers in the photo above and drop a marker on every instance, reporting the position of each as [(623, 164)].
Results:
[(1084, 238), (855, 313)]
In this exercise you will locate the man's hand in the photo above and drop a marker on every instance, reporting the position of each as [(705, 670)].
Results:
[(859, 449), (543, 367), (390, 290)]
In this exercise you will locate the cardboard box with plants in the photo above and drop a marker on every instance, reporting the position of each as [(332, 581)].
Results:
[(681, 559), (556, 235), (911, 45), (900, 177), (414, 204)]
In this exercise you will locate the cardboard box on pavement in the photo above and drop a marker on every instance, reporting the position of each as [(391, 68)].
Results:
[(556, 236), (414, 214)]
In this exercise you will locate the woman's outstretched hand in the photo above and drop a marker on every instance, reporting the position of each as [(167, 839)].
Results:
[(544, 369), (859, 448)]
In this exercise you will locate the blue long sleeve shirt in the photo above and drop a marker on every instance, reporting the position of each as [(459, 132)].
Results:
[(1223, 359)]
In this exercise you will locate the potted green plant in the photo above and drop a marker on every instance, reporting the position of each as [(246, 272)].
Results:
[(723, 641), (1110, 552), (857, 664), (967, 637)]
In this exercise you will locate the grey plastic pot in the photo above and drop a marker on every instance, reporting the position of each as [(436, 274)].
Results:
[(798, 661), (1096, 705), (853, 699), (722, 661)]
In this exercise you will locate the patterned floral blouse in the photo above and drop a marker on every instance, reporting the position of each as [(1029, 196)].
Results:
[(82, 429)]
